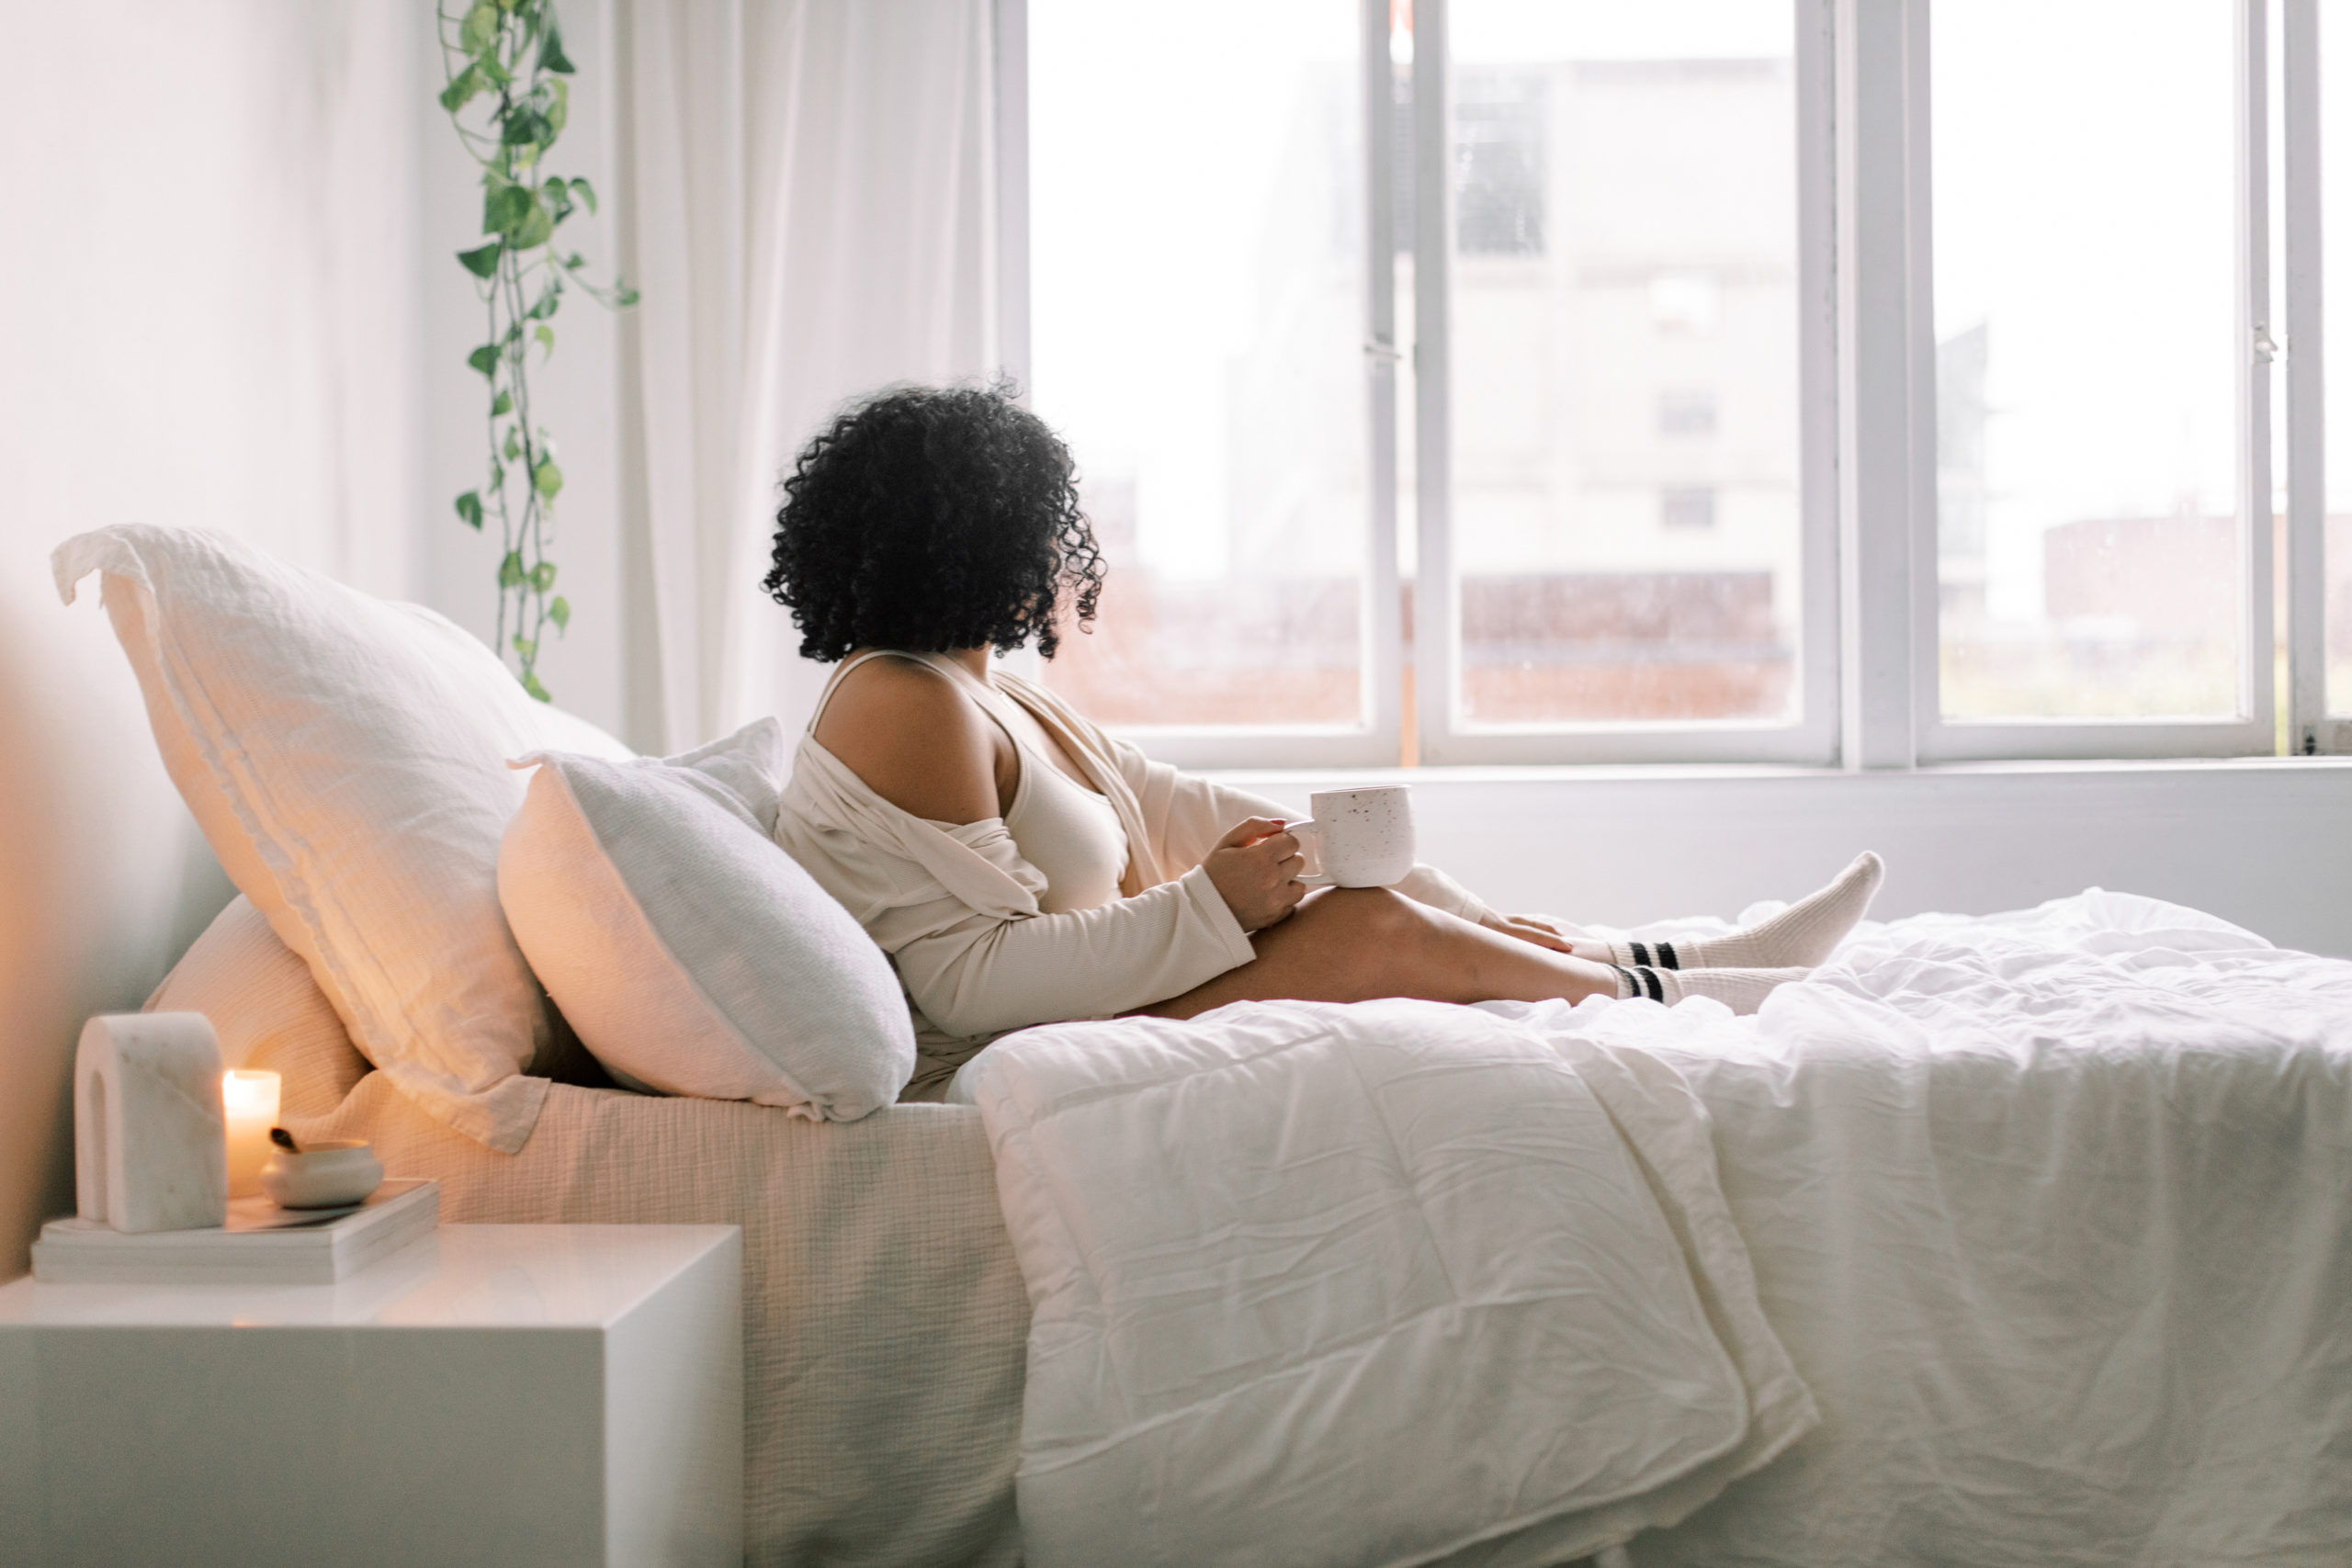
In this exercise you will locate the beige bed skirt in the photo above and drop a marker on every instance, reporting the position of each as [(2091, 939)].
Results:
[(883, 1316)]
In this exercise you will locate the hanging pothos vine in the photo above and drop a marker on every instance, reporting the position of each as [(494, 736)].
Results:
[(509, 54)]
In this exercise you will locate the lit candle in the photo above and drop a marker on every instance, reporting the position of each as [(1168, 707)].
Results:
[(249, 1101)]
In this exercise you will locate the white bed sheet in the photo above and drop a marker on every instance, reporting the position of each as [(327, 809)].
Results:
[(1361, 1286), (2053, 1212)]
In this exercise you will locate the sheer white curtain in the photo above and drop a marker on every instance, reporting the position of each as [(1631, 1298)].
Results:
[(804, 200)]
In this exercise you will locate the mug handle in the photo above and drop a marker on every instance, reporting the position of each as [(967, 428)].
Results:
[(1300, 830)]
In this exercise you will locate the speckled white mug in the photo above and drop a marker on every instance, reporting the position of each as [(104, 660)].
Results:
[(1361, 838)]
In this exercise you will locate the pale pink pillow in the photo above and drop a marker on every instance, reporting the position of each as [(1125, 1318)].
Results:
[(346, 757), (267, 1010)]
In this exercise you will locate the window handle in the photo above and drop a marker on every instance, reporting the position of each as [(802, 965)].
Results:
[(1377, 348), (2264, 349)]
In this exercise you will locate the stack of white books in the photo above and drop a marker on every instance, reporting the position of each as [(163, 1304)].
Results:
[(261, 1244)]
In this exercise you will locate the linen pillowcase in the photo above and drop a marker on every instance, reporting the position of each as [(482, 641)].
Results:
[(266, 1009), (346, 757), (692, 954)]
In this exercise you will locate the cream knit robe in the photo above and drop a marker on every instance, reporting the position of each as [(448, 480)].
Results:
[(957, 908)]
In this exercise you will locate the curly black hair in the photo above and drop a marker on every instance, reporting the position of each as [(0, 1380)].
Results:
[(929, 519)]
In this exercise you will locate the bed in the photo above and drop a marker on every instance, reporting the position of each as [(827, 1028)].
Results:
[(2050, 1209), (2047, 1209)]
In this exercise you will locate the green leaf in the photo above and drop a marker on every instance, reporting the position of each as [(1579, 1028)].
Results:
[(534, 230), (504, 207), (470, 509), (575, 260), (586, 193), (525, 648), (551, 55), (497, 475), (524, 127), (492, 68), (510, 570), (461, 89), (545, 334), (531, 684), (548, 479), (544, 305), (625, 298), (503, 403), (559, 611), (479, 34), (542, 576), (484, 359), (559, 106), (513, 448), (482, 262)]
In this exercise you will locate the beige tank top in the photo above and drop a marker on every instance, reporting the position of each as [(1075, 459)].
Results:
[(1070, 833)]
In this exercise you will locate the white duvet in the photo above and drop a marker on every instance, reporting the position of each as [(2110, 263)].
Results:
[(1367, 1285), (2048, 1210)]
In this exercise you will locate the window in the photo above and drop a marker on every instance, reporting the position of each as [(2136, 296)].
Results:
[(2319, 47), (1687, 508), (2111, 518), (1686, 413), (1562, 380), (2088, 471), (1199, 279)]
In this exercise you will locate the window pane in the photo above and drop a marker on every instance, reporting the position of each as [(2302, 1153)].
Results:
[(2086, 424), (1625, 360), (1197, 287), (2335, 284)]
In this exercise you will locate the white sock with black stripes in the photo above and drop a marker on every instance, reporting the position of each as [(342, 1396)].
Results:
[(1742, 990), (1804, 933)]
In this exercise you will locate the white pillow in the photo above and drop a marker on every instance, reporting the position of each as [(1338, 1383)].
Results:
[(690, 951), (265, 1010), (346, 757)]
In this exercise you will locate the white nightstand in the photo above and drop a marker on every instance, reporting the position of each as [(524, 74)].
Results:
[(514, 1395)]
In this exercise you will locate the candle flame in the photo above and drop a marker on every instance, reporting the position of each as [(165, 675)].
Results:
[(243, 1089)]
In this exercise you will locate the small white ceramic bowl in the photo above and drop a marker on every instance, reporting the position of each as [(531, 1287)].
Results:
[(322, 1175)]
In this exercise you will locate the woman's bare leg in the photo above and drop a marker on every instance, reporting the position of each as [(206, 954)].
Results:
[(1352, 944)]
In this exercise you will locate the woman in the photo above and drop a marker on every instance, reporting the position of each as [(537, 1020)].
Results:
[(1021, 866)]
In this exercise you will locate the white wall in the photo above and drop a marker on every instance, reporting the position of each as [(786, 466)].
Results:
[(209, 312), (2266, 844)]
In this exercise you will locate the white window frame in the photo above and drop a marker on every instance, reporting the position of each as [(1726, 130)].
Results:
[(1886, 36), (1376, 741), (2311, 729), (1444, 736), (1870, 642)]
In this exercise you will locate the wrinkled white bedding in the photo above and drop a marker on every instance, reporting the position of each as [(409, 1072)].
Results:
[(2052, 1211), (1367, 1285)]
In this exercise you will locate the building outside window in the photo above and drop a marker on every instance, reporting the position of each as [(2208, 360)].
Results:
[(1564, 488)]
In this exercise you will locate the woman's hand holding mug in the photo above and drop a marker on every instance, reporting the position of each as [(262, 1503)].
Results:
[(1364, 838), (1255, 869)]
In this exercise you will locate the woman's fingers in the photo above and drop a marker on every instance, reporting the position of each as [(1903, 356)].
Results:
[(1250, 832), (1530, 929)]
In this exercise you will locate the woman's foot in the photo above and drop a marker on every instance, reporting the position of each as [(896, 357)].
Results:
[(1804, 934), (1742, 990)]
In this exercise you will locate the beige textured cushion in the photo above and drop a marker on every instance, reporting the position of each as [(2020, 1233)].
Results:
[(884, 1318), (267, 1010), (346, 757)]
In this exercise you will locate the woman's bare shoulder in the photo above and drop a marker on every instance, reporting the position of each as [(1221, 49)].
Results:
[(914, 739)]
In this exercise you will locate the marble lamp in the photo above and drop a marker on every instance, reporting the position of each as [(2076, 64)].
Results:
[(150, 1147)]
